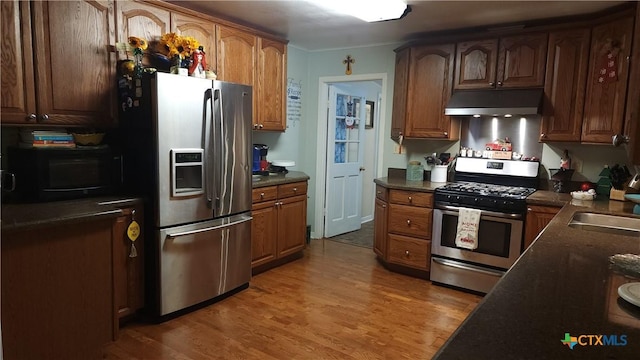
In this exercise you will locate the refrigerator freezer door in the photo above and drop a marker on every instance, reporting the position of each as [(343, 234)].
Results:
[(201, 261), (230, 149), (179, 124)]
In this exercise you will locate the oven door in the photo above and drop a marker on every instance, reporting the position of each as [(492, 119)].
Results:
[(499, 238)]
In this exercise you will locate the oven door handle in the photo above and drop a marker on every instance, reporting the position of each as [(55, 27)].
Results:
[(468, 267), (484, 212)]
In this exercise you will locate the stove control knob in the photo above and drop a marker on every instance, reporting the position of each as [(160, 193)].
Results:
[(457, 198), (475, 200)]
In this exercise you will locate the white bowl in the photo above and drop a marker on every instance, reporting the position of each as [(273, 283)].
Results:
[(582, 195)]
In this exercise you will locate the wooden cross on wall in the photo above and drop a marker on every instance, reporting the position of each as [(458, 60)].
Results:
[(348, 61)]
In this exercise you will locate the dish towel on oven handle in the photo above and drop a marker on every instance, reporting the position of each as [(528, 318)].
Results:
[(467, 232)]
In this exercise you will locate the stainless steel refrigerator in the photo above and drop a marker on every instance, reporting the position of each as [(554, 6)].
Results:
[(187, 150)]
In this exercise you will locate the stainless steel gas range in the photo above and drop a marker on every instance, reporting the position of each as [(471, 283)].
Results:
[(499, 189)]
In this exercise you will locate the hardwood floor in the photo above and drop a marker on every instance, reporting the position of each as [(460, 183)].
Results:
[(337, 302)]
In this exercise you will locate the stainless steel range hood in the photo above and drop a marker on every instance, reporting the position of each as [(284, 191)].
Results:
[(495, 102)]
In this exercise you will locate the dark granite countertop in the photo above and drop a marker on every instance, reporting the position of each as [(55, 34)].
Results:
[(562, 284), (32, 215), (279, 179), (402, 184), (548, 198)]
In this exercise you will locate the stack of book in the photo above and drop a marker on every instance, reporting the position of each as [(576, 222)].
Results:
[(46, 138)]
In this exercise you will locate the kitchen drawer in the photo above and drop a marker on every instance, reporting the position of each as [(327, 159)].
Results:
[(410, 220), (412, 198), (293, 189), (381, 193), (408, 251), (264, 194)]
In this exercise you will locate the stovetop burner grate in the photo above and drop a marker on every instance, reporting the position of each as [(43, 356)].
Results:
[(481, 189)]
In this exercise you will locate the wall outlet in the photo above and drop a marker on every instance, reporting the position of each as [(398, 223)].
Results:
[(399, 149), (576, 164)]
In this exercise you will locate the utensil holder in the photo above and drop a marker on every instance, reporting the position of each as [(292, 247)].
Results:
[(439, 173)]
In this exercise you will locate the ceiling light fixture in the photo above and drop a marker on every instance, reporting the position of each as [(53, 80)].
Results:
[(367, 10)]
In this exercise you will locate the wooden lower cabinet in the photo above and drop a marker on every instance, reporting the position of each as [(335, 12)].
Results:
[(279, 224), (57, 299), (408, 251), (402, 232), (537, 219), (128, 270)]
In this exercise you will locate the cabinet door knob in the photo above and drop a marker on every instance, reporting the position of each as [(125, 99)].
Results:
[(409, 222), (406, 253), (44, 117), (260, 126), (543, 136), (255, 126), (445, 134), (410, 199), (499, 83), (262, 195), (384, 206), (492, 83), (378, 192), (295, 189), (619, 139), (32, 117)]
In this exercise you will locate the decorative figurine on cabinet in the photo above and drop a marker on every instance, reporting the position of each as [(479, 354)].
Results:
[(198, 64)]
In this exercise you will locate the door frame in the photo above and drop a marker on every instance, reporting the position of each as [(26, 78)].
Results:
[(321, 151)]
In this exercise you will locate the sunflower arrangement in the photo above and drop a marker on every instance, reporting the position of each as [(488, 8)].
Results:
[(174, 44), (138, 43)]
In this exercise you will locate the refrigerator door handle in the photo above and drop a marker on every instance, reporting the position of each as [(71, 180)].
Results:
[(220, 149), (205, 145), (211, 228)]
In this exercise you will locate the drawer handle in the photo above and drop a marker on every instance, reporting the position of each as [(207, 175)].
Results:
[(409, 222), (406, 253), (410, 199), (295, 189), (261, 195), (379, 192)]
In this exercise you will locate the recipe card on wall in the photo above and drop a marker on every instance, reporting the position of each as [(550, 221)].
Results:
[(294, 101)]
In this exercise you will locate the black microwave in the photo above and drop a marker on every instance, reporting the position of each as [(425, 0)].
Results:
[(48, 174)]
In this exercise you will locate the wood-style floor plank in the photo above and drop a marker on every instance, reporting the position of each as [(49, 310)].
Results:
[(337, 302)]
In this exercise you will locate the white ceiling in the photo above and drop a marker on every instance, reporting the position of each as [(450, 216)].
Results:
[(310, 27)]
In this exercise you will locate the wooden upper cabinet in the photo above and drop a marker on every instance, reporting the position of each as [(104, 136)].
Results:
[(476, 64), (511, 61), (143, 21), (53, 73), (565, 84), (237, 51), (18, 87), (430, 85), (270, 114), (400, 87), (521, 60), (202, 30), (605, 99), (237, 59)]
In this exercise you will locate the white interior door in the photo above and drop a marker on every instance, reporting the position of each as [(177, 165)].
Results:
[(345, 153)]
